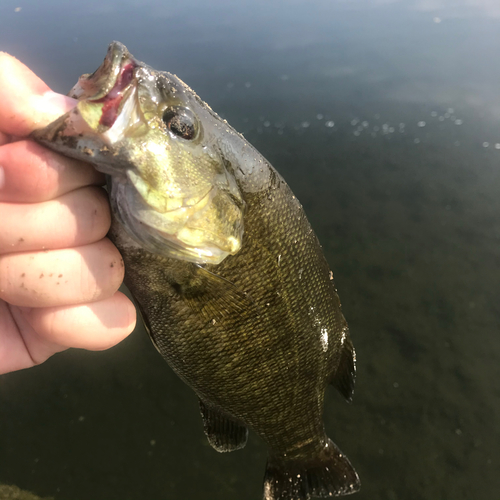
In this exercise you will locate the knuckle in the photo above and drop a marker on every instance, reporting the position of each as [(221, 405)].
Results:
[(107, 269)]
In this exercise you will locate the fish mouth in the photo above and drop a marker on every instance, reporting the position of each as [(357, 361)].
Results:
[(113, 100), (108, 89)]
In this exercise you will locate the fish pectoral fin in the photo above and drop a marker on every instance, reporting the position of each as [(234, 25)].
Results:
[(223, 433), (345, 375), (221, 297)]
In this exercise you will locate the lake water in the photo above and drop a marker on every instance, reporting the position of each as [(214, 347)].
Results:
[(384, 117)]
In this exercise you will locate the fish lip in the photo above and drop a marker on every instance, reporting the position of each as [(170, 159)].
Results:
[(110, 85), (122, 73), (102, 80)]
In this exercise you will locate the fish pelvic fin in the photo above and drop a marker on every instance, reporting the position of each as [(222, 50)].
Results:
[(329, 474), (223, 433)]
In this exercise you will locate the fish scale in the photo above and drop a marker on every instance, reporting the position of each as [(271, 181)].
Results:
[(245, 309)]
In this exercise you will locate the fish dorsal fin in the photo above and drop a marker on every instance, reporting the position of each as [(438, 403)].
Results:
[(345, 375), (219, 297)]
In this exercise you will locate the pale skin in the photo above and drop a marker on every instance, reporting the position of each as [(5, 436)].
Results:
[(59, 274)]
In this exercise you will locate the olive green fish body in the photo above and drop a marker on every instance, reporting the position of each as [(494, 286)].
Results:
[(243, 343), (229, 276)]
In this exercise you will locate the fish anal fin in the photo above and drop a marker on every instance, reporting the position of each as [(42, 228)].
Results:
[(345, 375), (223, 433), (329, 474)]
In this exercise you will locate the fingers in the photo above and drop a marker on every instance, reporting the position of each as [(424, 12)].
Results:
[(95, 326), (72, 220), (61, 277), (26, 102), (31, 173), (65, 295), (28, 172), (31, 335), (4, 139), (21, 347)]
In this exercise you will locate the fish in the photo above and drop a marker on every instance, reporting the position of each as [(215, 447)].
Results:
[(227, 273)]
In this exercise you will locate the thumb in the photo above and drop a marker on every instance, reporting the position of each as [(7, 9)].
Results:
[(26, 102)]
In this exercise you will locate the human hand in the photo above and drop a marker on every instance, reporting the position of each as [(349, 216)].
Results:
[(59, 274)]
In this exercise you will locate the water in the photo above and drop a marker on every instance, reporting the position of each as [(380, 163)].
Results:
[(384, 117)]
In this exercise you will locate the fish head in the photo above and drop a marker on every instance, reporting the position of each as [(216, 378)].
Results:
[(170, 184)]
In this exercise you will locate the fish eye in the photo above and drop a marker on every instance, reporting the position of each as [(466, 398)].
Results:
[(181, 122)]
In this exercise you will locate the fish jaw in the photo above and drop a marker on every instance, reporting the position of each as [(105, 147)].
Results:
[(108, 101), (108, 82), (105, 110)]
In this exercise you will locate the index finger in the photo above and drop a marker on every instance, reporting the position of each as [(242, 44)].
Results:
[(26, 102), (31, 173)]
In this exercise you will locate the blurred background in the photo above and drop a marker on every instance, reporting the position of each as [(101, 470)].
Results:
[(384, 117)]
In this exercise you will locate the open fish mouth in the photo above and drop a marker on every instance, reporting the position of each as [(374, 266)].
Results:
[(112, 101), (107, 77), (107, 93)]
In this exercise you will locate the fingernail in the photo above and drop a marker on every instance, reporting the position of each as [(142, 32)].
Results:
[(2, 177), (54, 100)]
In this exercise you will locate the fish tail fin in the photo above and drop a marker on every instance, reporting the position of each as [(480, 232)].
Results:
[(329, 474)]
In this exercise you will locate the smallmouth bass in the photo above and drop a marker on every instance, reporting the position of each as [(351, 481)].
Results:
[(228, 275)]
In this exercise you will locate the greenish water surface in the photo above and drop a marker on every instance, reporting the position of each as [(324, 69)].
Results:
[(384, 118)]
